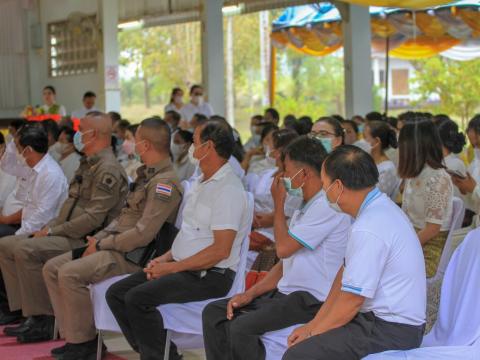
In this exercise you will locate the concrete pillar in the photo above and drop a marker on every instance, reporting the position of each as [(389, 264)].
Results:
[(357, 58), (213, 65), (109, 67)]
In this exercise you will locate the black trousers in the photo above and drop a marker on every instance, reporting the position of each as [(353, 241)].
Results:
[(5, 230), (134, 302), (240, 338), (366, 334)]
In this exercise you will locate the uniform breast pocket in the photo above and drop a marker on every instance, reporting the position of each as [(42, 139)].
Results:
[(136, 200), (86, 187), (202, 217)]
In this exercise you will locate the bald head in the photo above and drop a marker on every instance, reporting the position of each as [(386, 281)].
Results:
[(98, 121), (157, 132)]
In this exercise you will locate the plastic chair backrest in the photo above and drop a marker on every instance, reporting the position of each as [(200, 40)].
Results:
[(186, 185)]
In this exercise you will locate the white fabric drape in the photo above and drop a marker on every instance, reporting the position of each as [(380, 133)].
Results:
[(13, 55)]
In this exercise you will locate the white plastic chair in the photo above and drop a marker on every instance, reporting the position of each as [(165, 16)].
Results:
[(182, 321), (458, 213), (456, 334), (275, 342)]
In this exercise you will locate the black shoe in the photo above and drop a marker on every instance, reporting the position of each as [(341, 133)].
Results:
[(59, 351), (42, 330), (24, 326), (10, 317), (83, 351)]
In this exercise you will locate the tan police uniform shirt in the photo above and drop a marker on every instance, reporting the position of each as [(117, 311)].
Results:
[(96, 197), (154, 199)]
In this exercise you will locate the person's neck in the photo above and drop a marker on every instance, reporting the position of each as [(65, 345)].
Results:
[(378, 156), (50, 104), (210, 167), (445, 152), (153, 158), (355, 201), (95, 149), (311, 189), (35, 159)]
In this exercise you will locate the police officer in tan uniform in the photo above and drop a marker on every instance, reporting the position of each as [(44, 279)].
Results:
[(154, 199), (96, 196)]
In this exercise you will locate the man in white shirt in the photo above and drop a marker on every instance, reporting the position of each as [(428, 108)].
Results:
[(45, 185), (377, 301), (88, 100), (311, 250), (204, 255), (197, 105)]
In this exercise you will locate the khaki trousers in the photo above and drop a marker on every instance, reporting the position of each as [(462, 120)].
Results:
[(22, 260), (67, 281)]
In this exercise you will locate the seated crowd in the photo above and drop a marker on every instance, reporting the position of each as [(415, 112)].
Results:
[(80, 207)]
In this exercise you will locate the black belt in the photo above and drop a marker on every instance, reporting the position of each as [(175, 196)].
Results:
[(222, 271)]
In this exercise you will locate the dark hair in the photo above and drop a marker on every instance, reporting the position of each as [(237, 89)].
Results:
[(51, 88), (283, 137), (359, 118), (440, 118), (306, 150), (290, 122), (268, 127), (304, 125), (419, 145), (115, 116), (338, 130), (186, 136), (257, 117), (374, 116), (352, 166), (123, 124), (474, 124), (175, 116), (174, 91), (274, 114), (221, 134), (392, 121), (2, 139), (17, 123), (452, 139), (161, 133), (201, 119), (383, 131), (194, 87), (51, 127), (35, 137), (69, 132), (338, 117), (89, 94), (352, 123), (133, 128)]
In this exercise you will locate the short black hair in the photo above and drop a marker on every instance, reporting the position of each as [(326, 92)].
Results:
[(115, 116), (419, 145), (186, 136), (175, 116), (274, 113), (51, 127), (17, 123), (51, 88), (195, 87), (304, 125), (35, 137), (374, 116), (352, 123), (338, 117), (290, 122), (89, 94), (133, 128), (452, 139), (160, 130), (2, 139), (281, 138), (69, 132), (383, 131), (306, 150), (123, 124), (200, 119), (221, 134), (351, 165), (267, 128), (474, 124)]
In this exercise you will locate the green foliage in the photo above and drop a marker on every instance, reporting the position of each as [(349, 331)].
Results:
[(456, 84)]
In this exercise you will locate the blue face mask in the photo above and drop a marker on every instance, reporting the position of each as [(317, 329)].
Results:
[(77, 140), (327, 144), (287, 182), (360, 128)]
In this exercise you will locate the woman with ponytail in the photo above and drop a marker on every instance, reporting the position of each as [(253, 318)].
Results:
[(381, 137)]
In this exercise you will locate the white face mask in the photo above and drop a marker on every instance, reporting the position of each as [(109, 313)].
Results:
[(192, 158), (268, 152), (177, 100), (199, 99), (177, 150), (334, 206)]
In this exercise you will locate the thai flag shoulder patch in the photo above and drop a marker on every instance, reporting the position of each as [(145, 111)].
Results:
[(164, 189)]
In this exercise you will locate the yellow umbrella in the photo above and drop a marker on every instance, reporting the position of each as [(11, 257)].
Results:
[(409, 4)]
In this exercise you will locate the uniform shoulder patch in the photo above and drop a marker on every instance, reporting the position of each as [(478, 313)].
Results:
[(164, 189), (108, 181)]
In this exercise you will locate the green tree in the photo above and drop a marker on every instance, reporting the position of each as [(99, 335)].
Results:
[(455, 83)]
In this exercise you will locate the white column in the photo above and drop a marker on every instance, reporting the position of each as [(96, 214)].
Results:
[(357, 59), (213, 66), (230, 73), (108, 69)]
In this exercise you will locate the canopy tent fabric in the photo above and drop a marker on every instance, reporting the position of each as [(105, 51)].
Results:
[(446, 30), (408, 4)]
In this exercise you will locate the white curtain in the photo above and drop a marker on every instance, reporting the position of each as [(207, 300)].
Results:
[(13, 55)]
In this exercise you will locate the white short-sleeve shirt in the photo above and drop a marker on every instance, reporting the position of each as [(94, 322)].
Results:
[(323, 234), (454, 163), (188, 110), (219, 203), (384, 263)]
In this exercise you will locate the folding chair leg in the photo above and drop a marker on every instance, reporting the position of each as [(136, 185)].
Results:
[(55, 330), (99, 345), (167, 345)]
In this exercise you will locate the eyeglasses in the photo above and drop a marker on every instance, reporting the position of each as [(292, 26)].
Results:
[(322, 133)]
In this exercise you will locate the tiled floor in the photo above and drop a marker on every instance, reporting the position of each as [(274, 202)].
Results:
[(117, 344)]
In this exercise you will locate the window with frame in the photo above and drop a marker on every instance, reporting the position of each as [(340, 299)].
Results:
[(72, 48)]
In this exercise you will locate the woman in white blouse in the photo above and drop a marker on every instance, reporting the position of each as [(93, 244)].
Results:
[(381, 137), (181, 142), (428, 192), (176, 101), (453, 142)]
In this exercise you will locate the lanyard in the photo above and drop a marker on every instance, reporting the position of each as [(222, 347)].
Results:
[(371, 196)]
